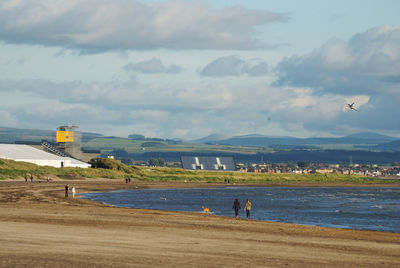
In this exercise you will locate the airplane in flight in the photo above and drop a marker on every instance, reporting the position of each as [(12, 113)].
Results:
[(351, 106)]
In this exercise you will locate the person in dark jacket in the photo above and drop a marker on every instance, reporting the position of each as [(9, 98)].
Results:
[(236, 207), (66, 190)]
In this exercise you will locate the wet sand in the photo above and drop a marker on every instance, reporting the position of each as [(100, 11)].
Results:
[(39, 227)]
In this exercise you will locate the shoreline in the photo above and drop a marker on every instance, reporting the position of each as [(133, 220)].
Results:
[(39, 227), (347, 224)]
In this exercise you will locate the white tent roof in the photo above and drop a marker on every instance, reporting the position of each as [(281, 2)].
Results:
[(26, 153)]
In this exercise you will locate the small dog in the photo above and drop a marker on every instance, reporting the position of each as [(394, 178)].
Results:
[(205, 210)]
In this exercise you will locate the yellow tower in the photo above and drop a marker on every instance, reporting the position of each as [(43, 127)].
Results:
[(65, 134), (68, 140)]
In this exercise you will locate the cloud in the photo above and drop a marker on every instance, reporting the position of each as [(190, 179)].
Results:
[(309, 96), (152, 66), (365, 69), (7, 118), (234, 66), (165, 110), (369, 63), (93, 26)]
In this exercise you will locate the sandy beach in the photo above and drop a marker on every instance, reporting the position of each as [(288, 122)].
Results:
[(39, 227)]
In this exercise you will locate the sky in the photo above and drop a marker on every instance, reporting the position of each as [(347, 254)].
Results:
[(188, 69)]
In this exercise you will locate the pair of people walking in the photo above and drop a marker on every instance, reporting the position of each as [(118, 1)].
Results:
[(247, 207), (67, 191)]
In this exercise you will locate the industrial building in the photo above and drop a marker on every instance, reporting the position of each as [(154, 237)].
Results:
[(26, 153), (225, 163)]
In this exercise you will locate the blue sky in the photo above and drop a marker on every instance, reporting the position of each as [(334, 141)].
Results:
[(187, 69)]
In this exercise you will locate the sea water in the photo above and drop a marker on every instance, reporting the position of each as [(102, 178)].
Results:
[(363, 208)]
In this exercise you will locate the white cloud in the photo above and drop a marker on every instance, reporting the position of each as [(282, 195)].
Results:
[(365, 69), (151, 115), (363, 65), (336, 56), (180, 132), (234, 66), (361, 100), (152, 66), (183, 111), (309, 97), (93, 26), (8, 118)]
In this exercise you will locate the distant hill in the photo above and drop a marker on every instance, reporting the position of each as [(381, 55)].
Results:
[(211, 138), (313, 156), (365, 140), (12, 135), (267, 141), (371, 136), (393, 146)]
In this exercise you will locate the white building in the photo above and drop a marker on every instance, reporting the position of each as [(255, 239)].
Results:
[(26, 153)]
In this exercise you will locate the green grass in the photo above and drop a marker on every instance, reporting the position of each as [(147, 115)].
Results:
[(173, 174), (12, 170)]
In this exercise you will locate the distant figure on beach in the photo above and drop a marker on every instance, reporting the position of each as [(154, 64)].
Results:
[(26, 177), (205, 210), (31, 178), (66, 190), (73, 192), (247, 208), (236, 207)]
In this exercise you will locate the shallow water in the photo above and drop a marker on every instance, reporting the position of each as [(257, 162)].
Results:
[(340, 207)]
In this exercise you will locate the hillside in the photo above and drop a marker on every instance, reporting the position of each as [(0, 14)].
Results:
[(155, 148), (10, 169), (13, 135), (267, 141), (362, 148), (393, 146), (211, 138)]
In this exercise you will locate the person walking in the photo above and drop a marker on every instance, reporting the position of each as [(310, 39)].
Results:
[(66, 190), (31, 178), (73, 192), (236, 207), (247, 208)]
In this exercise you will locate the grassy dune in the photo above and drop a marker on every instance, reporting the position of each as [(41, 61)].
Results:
[(170, 174), (17, 170)]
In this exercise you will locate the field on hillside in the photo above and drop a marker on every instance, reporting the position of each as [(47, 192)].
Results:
[(274, 150), (130, 151), (107, 145)]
